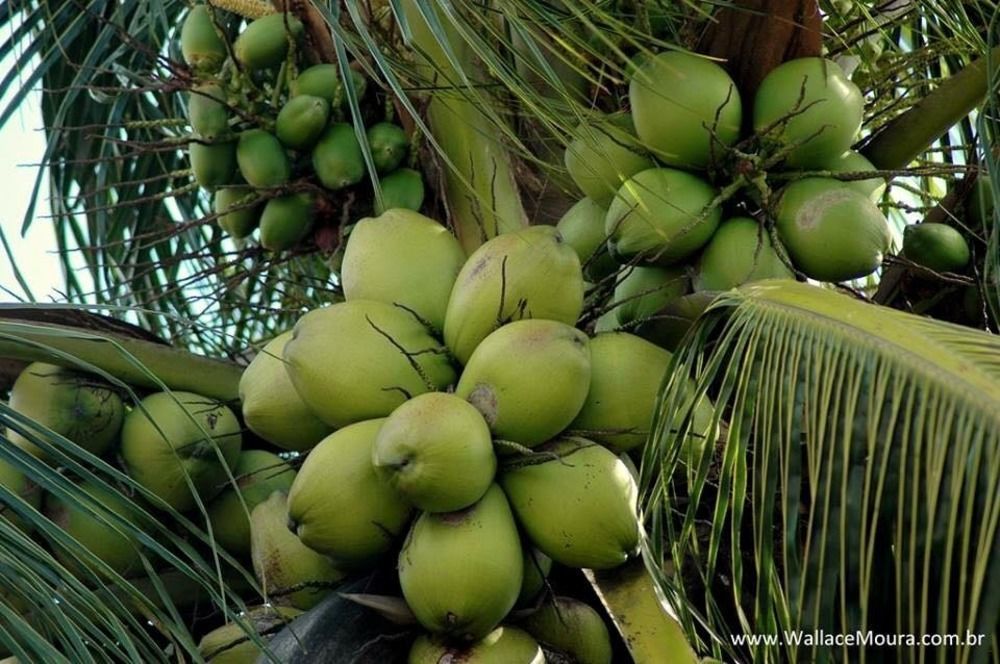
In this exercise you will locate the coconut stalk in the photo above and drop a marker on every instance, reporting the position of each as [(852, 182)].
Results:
[(134, 361), (482, 196), (904, 138)]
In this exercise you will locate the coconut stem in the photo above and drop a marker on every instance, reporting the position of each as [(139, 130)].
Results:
[(251, 9)]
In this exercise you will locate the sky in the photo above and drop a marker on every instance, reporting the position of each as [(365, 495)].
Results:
[(22, 144)]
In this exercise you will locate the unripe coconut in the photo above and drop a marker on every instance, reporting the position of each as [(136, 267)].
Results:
[(92, 524), (258, 474), (626, 372), (607, 322), (686, 108), (264, 43), (812, 104), (537, 566), (529, 379), (230, 643), (738, 253), (388, 144), (461, 571), (289, 572), (643, 291), (436, 451), (938, 247), (323, 80), (340, 507), (213, 164), (20, 485), (531, 273), (286, 221), (855, 162), (207, 111), (272, 408), (262, 159), (582, 227), (662, 215), (831, 232), (577, 503), (172, 438), (301, 121), (402, 257), (382, 356), (504, 645), (238, 213), (605, 153), (78, 406), (403, 188), (572, 627), (337, 157), (201, 45)]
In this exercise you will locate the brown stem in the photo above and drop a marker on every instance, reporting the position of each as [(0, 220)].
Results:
[(319, 42), (755, 36)]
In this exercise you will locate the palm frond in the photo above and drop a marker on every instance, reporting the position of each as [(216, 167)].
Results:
[(854, 485)]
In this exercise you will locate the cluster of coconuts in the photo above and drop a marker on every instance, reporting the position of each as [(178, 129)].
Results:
[(460, 424), (272, 137), (653, 178)]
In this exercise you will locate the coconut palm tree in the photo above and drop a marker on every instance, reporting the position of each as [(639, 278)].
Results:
[(851, 469)]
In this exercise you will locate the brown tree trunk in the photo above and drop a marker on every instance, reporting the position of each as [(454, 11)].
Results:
[(758, 35)]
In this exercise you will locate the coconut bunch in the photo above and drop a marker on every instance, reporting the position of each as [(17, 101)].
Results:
[(477, 433), (272, 136), (678, 196)]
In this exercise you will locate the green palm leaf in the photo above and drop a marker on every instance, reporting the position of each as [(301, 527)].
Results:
[(855, 484)]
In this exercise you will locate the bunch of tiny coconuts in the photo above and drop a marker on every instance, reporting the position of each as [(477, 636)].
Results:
[(678, 197), (272, 135)]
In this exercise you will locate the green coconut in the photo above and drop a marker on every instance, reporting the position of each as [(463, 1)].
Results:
[(642, 292), (286, 221), (572, 627), (504, 645), (403, 188), (577, 503), (337, 157), (531, 273), (289, 572), (603, 154), (529, 379), (230, 644), (582, 227), (272, 408), (323, 80), (301, 121), (831, 232), (662, 215), (340, 507), (264, 43), (91, 520), (626, 372), (388, 144), (78, 406), (809, 105), (174, 438), (382, 356), (237, 210), (19, 484), (201, 45), (436, 451), (855, 162), (258, 474), (262, 159), (537, 566), (461, 571), (938, 247), (402, 257), (207, 111), (738, 253), (213, 164), (686, 108)]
